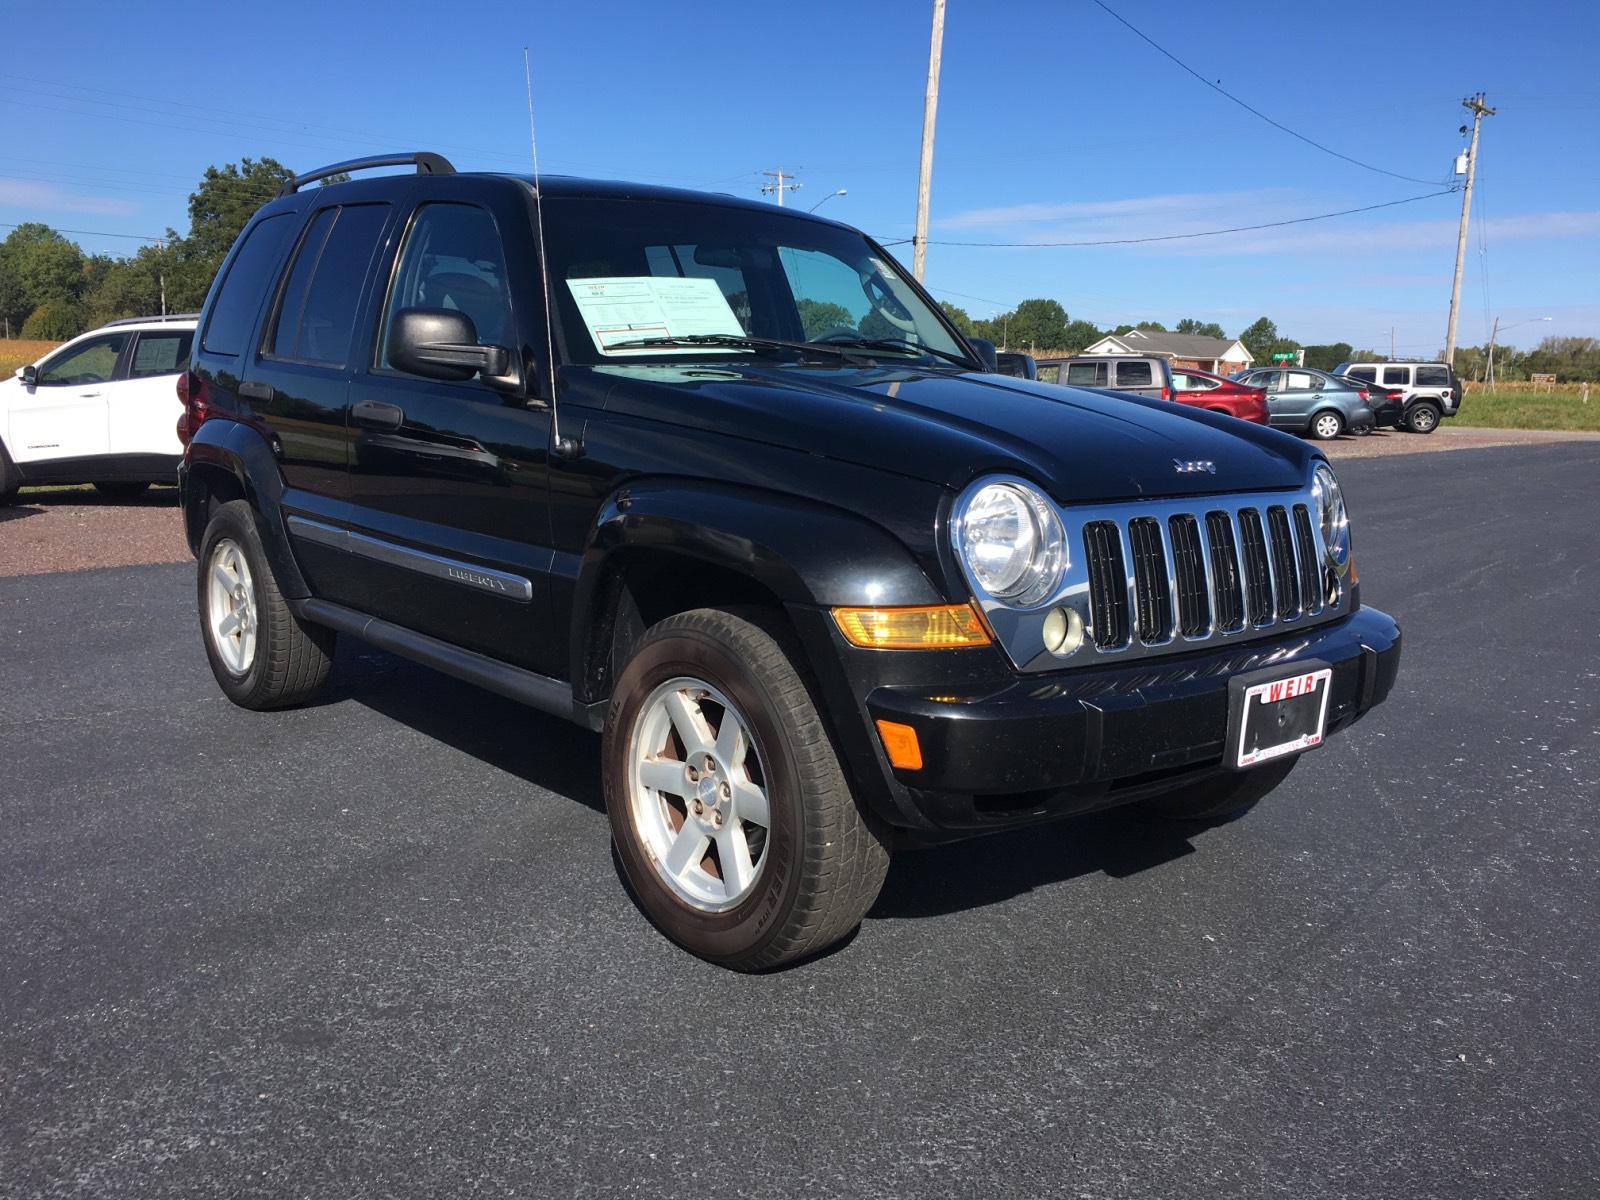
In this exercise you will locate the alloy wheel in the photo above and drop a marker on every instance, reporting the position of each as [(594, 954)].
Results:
[(231, 607), (697, 794)]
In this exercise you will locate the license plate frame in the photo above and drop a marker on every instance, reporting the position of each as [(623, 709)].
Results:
[(1299, 712)]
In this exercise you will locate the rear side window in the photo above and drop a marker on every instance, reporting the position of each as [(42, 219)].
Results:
[(1397, 376), (1433, 376), (1134, 374), (1050, 374), (248, 279), (1299, 381), (1086, 374), (316, 318), (164, 353)]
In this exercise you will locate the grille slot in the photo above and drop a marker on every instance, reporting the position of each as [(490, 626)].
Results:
[(1108, 584), (1257, 580), (1310, 577), (1286, 585), (1228, 599), (1189, 567), (1153, 598)]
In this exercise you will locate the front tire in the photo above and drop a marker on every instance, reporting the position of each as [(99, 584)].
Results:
[(1423, 418), (9, 481), (731, 815), (263, 656), (1327, 425), (1223, 797)]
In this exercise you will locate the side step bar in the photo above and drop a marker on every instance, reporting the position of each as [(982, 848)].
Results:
[(536, 691)]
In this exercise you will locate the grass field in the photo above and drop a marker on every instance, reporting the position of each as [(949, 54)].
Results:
[(1524, 409), (15, 352)]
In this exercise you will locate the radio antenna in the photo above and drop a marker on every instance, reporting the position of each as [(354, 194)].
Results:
[(564, 447)]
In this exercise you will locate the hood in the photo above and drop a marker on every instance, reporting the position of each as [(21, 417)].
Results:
[(947, 427)]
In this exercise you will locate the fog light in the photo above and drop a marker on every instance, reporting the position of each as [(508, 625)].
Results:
[(942, 627), (1063, 631)]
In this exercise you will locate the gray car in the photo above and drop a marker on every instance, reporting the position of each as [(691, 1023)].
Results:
[(1301, 400)]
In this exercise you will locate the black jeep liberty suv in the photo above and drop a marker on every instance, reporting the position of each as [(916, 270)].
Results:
[(720, 481)]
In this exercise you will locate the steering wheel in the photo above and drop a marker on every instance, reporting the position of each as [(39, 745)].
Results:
[(887, 305)]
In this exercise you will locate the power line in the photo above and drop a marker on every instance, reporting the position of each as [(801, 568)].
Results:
[(1221, 91), (1176, 237), (137, 237)]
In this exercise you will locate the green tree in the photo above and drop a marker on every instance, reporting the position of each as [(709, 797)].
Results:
[(1327, 357), (1079, 336), (1041, 324), (959, 318), (1259, 338), (1199, 328), (820, 316), (55, 321), (225, 200)]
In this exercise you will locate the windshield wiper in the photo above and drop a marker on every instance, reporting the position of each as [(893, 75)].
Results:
[(898, 344), (733, 342)]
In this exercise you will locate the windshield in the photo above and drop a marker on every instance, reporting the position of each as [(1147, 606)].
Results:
[(631, 278)]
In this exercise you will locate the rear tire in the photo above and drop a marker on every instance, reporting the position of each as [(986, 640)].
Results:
[(122, 491), (1222, 798), (1423, 418), (1326, 425), (743, 843), (263, 656)]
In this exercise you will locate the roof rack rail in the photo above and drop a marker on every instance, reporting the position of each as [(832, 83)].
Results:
[(152, 320), (426, 163)]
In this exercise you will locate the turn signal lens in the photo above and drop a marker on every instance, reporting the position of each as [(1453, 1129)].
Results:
[(943, 627), (901, 745)]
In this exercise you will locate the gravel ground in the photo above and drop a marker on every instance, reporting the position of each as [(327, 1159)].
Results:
[(1388, 442), (74, 529)]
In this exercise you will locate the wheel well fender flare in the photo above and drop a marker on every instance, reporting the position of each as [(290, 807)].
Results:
[(797, 550), (222, 451)]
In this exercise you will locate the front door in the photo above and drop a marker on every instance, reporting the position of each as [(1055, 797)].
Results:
[(63, 416), (448, 480)]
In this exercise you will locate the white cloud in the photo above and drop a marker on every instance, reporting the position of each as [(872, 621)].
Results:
[(24, 193), (1192, 213)]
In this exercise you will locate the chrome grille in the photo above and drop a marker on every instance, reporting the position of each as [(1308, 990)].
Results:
[(1170, 578), (1157, 576)]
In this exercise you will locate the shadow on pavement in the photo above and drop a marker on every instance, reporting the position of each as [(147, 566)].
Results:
[(16, 511), (79, 497), (998, 866), (545, 751)]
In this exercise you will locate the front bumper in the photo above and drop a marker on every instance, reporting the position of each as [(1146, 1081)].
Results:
[(1009, 751)]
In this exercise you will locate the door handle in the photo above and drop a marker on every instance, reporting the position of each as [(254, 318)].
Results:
[(376, 415), (256, 390), (87, 395)]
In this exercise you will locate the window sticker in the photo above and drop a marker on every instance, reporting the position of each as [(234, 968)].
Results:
[(156, 356), (621, 309)]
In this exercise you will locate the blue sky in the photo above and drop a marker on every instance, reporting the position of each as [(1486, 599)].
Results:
[(1055, 124)]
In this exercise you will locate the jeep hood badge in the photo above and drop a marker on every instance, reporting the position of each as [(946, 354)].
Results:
[(1194, 466)]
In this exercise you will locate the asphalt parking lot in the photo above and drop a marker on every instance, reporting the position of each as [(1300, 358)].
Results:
[(379, 947)]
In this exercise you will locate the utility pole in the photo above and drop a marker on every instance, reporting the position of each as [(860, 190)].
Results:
[(161, 275), (930, 109), (1391, 343), (1479, 110), (1488, 377), (778, 186)]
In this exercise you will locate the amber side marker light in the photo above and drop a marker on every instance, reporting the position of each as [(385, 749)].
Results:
[(942, 627), (901, 745)]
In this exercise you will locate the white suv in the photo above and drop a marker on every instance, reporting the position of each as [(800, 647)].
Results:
[(1431, 390), (103, 409)]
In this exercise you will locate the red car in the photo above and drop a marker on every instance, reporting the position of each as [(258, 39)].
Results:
[(1205, 390)]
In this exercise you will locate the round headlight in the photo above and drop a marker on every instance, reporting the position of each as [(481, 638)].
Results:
[(1331, 515), (1012, 543)]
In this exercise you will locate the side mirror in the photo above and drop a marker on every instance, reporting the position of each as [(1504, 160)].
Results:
[(441, 343), (983, 348), (1018, 366), (29, 375)]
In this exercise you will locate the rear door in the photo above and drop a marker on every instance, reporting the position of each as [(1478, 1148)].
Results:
[(449, 481), (143, 407), (63, 416)]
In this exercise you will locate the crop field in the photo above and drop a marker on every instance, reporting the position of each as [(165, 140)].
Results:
[(14, 353), (1514, 407)]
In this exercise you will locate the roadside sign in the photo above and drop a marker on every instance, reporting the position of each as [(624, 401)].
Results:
[(1286, 356)]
